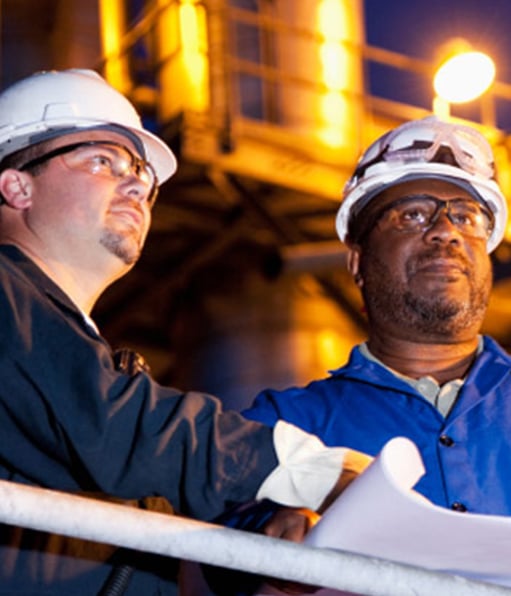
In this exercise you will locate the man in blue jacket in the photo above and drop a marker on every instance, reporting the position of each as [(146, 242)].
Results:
[(420, 216)]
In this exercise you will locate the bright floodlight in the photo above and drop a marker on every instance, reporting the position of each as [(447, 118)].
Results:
[(464, 77)]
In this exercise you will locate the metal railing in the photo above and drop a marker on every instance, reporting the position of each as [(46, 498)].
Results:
[(173, 536)]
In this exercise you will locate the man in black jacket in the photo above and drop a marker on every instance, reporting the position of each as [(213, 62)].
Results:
[(78, 177)]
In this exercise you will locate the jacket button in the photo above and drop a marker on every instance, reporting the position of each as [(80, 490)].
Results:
[(457, 506), (446, 441)]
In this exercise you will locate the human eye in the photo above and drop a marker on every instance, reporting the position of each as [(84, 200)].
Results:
[(411, 214), (466, 216), (95, 159), (101, 162)]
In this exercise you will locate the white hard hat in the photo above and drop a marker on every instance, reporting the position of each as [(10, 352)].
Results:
[(52, 103), (413, 151)]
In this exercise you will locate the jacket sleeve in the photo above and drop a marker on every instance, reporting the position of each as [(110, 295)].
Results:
[(71, 421)]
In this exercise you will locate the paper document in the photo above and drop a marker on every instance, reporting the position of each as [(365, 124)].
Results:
[(380, 515)]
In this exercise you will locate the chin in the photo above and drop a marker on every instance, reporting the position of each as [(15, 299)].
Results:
[(128, 257), (126, 248)]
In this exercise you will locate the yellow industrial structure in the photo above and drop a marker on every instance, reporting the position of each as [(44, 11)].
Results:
[(273, 90)]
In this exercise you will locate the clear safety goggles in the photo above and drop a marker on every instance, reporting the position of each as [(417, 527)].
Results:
[(103, 158), (428, 141)]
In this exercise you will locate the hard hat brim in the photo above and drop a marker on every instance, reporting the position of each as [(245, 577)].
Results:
[(158, 154)]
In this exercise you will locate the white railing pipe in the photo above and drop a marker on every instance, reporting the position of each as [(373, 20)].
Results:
[(179, 537)]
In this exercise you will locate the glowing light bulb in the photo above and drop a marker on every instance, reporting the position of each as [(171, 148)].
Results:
[(464, 77)]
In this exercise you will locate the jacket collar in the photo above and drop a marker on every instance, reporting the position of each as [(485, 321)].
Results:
[(39, 280)]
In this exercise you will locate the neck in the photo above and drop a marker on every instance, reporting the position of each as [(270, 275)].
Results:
[(442, 361), (81, 285)]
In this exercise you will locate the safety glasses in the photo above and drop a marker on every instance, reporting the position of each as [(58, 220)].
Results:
[(418, 213), (103, 158)]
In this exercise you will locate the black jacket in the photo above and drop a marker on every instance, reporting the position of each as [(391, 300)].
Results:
[(70, 421)]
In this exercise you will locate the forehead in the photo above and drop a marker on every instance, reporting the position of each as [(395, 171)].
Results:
[(92, 135)]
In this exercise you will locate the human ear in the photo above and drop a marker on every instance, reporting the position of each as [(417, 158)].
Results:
[(16, 188), (353, 262)]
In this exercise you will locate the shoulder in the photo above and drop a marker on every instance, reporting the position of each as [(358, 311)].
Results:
[(493, 350)]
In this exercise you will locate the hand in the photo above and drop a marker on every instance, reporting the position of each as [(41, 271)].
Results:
[(291, 524), (355, 462)]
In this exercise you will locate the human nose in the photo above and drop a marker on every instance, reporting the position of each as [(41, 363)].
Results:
[(135, 187)]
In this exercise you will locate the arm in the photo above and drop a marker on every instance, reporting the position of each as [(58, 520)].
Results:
[(78, 424)]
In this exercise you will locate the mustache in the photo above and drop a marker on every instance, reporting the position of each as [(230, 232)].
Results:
[(123, 201), (440, 252), (126, 202)]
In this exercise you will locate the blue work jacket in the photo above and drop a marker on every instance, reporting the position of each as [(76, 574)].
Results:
[(467, 455), (362, 405)]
